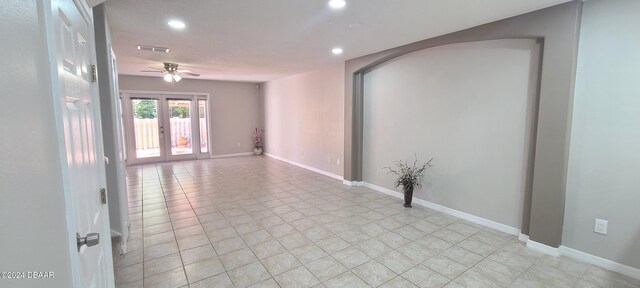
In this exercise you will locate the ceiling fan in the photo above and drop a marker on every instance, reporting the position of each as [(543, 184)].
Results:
[(172, 72)]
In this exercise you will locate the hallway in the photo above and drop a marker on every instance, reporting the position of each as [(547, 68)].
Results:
[(238, 222)]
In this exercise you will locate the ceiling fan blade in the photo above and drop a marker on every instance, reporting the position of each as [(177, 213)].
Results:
[(154, 71), (191, 74), (155, 68)]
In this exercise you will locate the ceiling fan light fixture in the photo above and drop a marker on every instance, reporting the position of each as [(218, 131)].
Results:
[(171, 72), (172, 77)]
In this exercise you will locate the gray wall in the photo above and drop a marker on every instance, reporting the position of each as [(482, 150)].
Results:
[(558, 28), (603, 164), (469, 106), (111, 134), (35, 235), (234, 108), (303, 116)]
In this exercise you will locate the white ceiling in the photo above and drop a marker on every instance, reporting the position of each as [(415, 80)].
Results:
[(260, 40)]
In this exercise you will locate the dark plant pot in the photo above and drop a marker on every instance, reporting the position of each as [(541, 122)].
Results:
[(408, 196)]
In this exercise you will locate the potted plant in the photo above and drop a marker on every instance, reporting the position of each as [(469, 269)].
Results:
[(258, 141), (183, 141), (409, 177)]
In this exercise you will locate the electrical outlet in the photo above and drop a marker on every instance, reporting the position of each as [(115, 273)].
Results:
[(329, 160), (238, 144), (601, 226), (338, 162)]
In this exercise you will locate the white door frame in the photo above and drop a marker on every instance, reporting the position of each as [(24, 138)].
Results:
[(121, 156), (165, 152)]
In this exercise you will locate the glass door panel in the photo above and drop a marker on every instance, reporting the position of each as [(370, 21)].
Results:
[(146, 128), (165, 127), (180, 126), (204, 134)]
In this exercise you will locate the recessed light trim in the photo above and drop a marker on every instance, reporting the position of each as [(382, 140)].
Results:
[(336, 51), (337, 4), (176, 24)]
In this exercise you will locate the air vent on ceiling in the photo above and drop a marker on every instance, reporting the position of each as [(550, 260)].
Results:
[(153, 49)]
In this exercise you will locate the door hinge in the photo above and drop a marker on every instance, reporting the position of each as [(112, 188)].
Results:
[(103, 195), (94, 74)]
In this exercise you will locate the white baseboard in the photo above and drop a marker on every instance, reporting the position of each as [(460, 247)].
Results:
[(543, 248), (523, 238), (352, 183), (231, 155), (325, 173), (600, 262), (125, 237), (123, 242), (582, 257), (463, 215), (562, 250)]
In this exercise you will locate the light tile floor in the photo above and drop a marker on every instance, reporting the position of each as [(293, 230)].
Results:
[(259, 222)]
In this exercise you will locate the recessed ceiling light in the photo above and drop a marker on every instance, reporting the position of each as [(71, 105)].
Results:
[(336, 51), (337, 4), (176, 24)]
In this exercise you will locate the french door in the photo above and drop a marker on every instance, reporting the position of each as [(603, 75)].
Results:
[(165, 127)]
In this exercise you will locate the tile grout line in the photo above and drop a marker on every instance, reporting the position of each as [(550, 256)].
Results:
[(207, 234), (142, 230), (289, 191), (184, 271)]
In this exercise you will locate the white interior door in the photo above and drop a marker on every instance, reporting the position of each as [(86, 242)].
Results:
[(85, 172)]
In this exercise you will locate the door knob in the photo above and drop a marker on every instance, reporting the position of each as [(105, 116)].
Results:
[(91, 239)]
